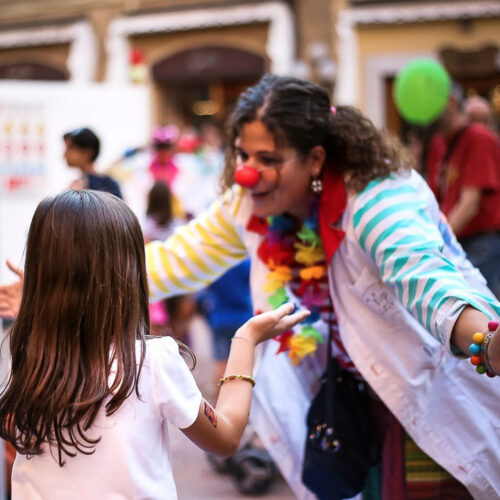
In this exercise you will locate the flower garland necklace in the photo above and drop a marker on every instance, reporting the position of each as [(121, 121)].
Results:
[(282, 247)]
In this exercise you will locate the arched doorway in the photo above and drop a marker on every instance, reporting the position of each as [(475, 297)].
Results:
[(204, 82)]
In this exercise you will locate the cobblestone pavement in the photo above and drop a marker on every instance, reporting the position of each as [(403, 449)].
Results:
[(194, 477)]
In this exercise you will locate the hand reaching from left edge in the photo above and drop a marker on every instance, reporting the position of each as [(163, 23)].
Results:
[(10, 295)]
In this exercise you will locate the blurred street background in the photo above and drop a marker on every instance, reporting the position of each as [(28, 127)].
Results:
[(153, 81)]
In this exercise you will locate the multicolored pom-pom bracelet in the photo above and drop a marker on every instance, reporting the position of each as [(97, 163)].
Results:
[(246, 378), (479, 350)]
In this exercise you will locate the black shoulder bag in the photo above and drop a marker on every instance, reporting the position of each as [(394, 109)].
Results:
[(340, 448)]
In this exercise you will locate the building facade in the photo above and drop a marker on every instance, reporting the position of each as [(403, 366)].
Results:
[(194, 56), (375, 39)]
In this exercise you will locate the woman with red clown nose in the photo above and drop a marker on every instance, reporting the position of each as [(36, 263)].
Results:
[(335, 220)]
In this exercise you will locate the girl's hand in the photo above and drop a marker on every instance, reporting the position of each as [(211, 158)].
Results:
[(272, 323)]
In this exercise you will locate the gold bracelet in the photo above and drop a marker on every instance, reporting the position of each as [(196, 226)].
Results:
[(243, 338), (228, 378)]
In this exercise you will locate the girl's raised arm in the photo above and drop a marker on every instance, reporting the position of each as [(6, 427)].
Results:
[(219, 430)]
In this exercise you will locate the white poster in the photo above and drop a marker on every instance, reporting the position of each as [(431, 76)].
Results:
[(33, 118), (22, 143)]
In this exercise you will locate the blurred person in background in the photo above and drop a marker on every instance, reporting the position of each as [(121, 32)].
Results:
[(163, 215), (82, 149), (478, 110), (162, 166), (139, 167), (165, 211), (212, 146), (200, 159), (415, 145), (227, 304), (464, 172)]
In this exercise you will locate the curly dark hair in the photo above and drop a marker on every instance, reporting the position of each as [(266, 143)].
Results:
[(299, 114)]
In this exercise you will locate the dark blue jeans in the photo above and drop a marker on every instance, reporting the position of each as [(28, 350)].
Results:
[(483, 250)]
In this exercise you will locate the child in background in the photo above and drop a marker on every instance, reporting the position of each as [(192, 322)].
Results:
[(163, 215), (88, 398), (82, 147), (162, 166), (227, 304)]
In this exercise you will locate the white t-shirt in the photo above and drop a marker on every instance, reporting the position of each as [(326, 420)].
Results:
[(132, 460)]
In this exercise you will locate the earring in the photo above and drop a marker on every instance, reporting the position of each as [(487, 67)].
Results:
[(316, 186)]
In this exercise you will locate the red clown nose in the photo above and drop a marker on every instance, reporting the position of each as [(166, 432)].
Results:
[(246, 176)]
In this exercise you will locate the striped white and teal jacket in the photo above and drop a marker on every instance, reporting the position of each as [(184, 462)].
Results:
[(398, 282)]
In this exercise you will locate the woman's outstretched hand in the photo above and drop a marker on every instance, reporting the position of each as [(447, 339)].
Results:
[(272, 323), (10, 295)]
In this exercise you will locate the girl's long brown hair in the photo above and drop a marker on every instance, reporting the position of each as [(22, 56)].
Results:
[(84, 305)]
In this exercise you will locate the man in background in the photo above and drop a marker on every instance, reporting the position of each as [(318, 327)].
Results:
[(464, 172), (477, 110)]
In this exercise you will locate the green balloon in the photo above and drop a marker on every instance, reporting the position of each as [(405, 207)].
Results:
[(421, 91)]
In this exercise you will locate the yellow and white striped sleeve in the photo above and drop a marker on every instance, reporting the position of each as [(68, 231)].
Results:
[(197, 253)]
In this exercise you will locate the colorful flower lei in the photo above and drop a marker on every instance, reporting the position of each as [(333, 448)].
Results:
[(283, 245)]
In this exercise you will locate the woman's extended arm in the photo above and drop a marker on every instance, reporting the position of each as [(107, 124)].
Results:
[(393, 225), (197, 253)]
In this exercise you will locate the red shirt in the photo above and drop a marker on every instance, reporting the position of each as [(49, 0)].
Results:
[(474, 162)]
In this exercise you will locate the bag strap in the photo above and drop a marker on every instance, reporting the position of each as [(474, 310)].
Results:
[(331, 376)]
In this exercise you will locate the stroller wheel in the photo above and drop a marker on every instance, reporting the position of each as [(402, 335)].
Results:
[(253, 471)]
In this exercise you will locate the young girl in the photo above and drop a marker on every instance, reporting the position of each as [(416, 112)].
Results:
[(163, 213), (88, 398)]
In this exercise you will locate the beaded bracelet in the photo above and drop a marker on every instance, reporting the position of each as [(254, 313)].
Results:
[(246, 378), (479, 350)]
